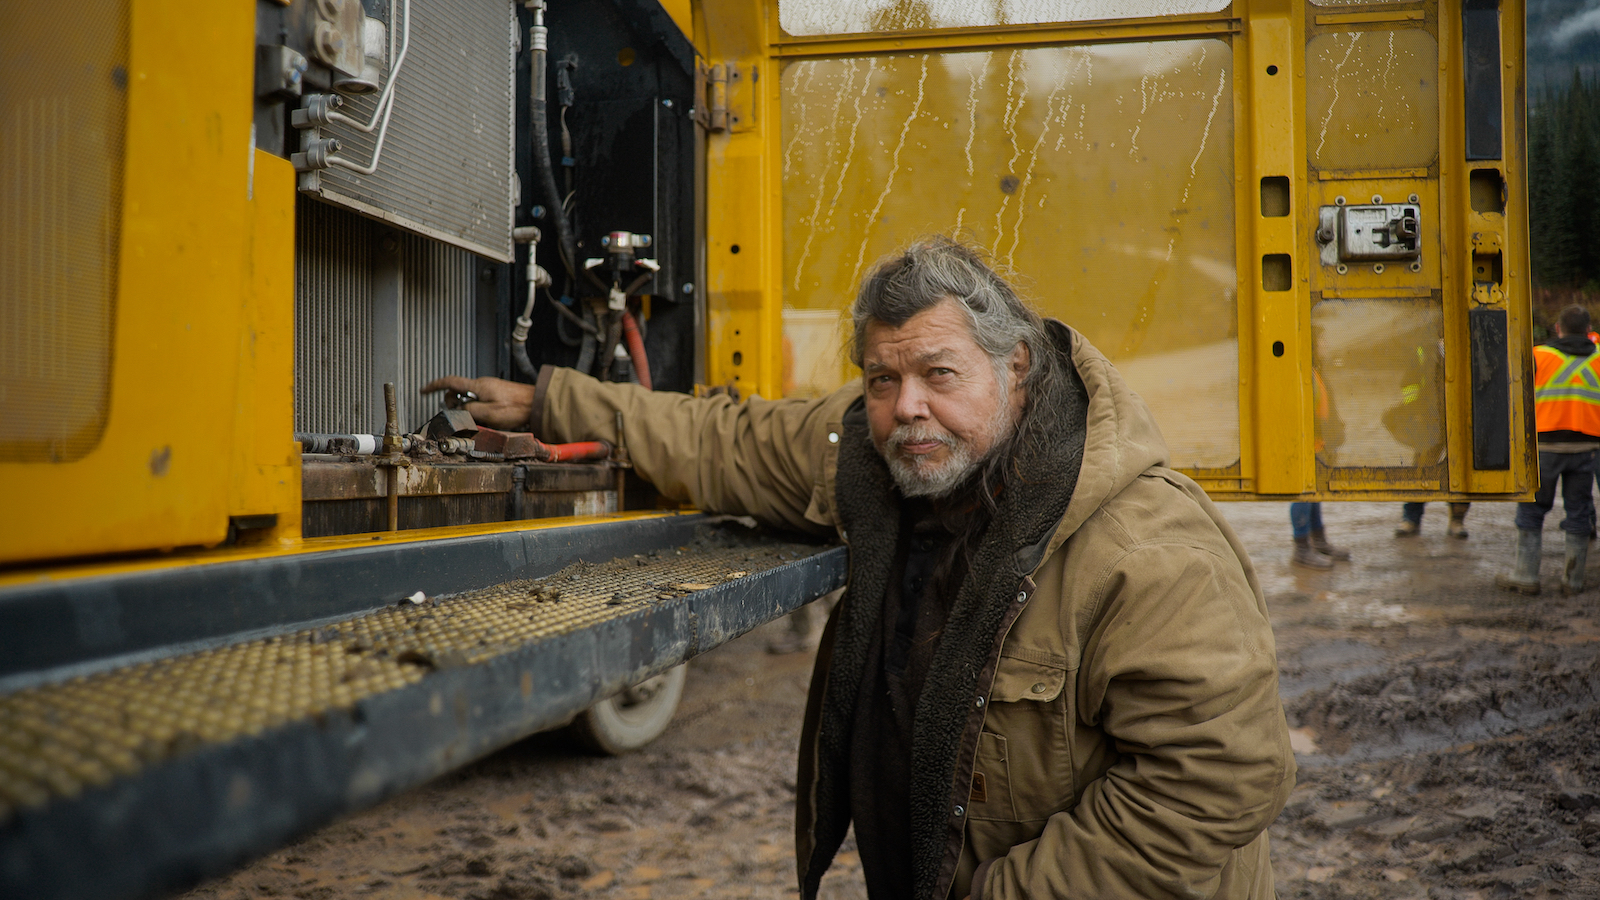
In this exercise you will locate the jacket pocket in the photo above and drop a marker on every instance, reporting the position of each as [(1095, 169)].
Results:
[(991, 780), (1029, 703), (1016, 680)]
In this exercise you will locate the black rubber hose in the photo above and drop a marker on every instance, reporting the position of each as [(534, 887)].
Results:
[(586, 352), (537, 111), (573, 317)]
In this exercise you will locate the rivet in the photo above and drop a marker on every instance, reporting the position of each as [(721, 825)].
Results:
[(980, 703), (1038, 688), (833, 437), (1022, 596), (960, 811)]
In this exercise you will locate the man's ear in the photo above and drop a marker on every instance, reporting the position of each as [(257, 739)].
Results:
[(1021, 360)]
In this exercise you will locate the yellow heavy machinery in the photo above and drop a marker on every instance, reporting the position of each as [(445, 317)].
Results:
[(253, 578)]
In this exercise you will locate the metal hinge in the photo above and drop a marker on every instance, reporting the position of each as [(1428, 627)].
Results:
[(711, 96), (713, 109)]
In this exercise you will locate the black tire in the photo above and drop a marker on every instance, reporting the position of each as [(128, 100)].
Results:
[(627, 721)]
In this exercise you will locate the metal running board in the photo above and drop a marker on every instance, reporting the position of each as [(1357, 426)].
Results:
[(148, 776)]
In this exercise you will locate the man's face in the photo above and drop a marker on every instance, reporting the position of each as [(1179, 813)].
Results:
[(934, 405)]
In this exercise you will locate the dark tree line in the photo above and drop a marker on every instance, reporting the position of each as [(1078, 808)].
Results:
[(1564, 185)]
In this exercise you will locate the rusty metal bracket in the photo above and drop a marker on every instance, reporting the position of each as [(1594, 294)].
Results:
[(723, 100)]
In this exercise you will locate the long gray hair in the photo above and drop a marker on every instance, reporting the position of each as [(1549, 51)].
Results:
[(937, 268)]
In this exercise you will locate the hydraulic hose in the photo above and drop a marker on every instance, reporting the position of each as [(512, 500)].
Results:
[(580, 451), (635, 343), (538, 113), (590, 338)]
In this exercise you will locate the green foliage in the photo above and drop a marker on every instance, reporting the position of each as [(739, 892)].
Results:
[(1564, 184)]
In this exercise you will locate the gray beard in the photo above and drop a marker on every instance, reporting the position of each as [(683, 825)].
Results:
[(920, 479)]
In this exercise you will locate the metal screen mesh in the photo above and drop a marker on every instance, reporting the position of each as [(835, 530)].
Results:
[(62, 111)]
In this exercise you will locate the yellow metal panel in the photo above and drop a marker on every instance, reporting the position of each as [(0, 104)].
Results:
[(1372, 98), (876, 143), (1102, 174), (682, 15), (831, 17), (161, 474), (1278, 343), (266, 458)]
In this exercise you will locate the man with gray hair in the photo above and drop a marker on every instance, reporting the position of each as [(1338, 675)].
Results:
[(1052, 674)]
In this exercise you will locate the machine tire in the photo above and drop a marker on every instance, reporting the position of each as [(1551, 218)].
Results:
[(627, 721)]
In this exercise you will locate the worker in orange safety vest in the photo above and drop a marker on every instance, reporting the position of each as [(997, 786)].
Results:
[(1566, 401)]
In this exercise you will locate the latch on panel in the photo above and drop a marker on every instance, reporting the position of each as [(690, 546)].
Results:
[(1376, 232)]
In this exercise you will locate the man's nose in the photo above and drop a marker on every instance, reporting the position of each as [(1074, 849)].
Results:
[(912, 402)]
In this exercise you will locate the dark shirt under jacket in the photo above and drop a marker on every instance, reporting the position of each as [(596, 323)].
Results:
[(916, 607)]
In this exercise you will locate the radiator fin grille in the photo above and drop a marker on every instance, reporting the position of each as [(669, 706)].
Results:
[(333, 314), (437, 316), (374, 305)]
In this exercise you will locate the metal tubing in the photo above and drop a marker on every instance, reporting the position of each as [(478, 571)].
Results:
[(391, 450)]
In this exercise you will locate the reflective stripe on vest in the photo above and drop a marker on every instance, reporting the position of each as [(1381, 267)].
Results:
[(1568, 398)]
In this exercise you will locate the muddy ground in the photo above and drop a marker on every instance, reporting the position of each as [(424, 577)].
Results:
[(1446, 733)]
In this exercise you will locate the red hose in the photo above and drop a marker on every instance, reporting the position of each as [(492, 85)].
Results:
[(581, 451), (635, 343)]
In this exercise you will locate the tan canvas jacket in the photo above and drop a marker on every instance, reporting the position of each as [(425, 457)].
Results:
[(1132, 742)]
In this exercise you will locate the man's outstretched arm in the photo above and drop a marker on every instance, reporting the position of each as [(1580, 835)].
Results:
[(767, 459)]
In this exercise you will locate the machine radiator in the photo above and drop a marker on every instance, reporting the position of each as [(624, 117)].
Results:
[(372, 305)]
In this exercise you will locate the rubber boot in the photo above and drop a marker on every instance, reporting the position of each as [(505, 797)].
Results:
[(1524, 575), (1577, 558), (1308, 557), (1319, 543), (1407, 528), (1458, 520)]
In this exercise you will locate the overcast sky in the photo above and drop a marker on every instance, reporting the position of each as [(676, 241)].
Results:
[(1562, 34)]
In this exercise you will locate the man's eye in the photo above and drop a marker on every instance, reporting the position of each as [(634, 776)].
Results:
[(938, 371)]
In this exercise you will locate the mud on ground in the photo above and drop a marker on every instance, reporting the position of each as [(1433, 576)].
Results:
[(1445, 732)]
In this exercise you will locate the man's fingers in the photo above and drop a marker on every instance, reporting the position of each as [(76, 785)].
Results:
[(449, 382)]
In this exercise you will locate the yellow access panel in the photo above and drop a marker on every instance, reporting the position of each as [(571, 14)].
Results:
[(1298, 228)]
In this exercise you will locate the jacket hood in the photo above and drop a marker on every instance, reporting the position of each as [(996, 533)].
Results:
[(1121, 440)]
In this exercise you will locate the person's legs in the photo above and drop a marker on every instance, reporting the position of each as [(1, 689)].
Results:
[(1410, 520), (1530, 516), (1305, 555), (1524, 575), (1458, 520), (1577, 490), (1319, 537), (1300, 519), (1577, 497)]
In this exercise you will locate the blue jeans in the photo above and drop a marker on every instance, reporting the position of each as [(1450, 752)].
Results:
[(1306, 518), (1576, 473), (1412, 512)]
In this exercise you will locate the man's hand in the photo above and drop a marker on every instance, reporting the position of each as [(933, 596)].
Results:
[(501, 404)]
